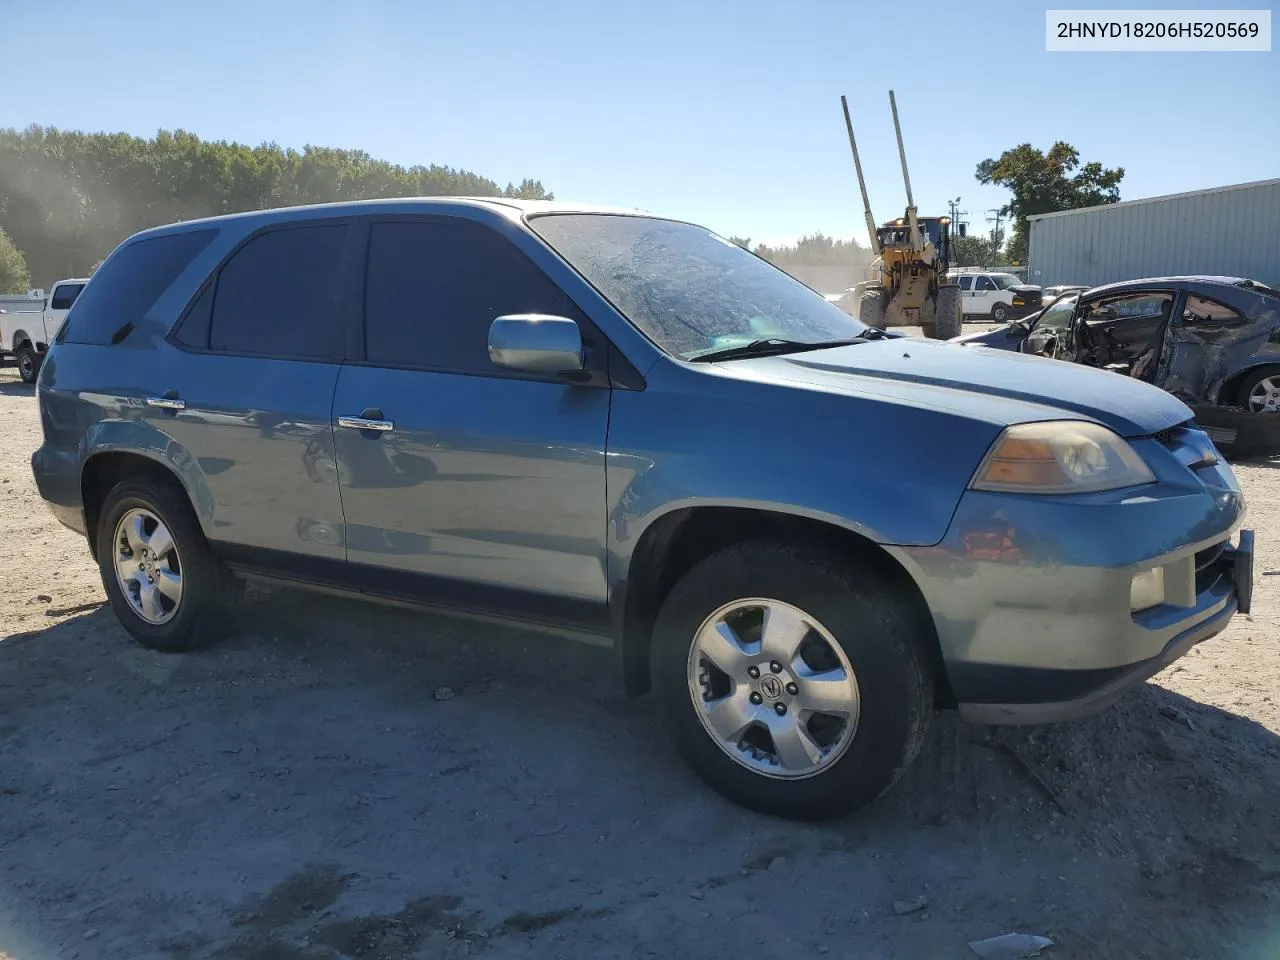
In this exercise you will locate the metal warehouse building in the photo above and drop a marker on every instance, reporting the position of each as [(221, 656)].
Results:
[(1227, 231)]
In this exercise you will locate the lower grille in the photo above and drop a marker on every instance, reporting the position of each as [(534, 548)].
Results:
[(1207, 570)]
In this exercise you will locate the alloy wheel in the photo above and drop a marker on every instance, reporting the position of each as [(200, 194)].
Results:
[(773, 688), (147, 566), (1265, 396)]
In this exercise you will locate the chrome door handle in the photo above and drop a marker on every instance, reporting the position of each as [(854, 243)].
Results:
[(166, 403), (361, 423)]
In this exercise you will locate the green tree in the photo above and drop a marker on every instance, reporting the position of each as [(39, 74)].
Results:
[(976, 251), (743, 242), (67, 198), (14, 277), (1047, 182)]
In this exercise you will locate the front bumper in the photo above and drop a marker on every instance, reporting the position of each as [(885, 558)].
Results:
[(1230, 595), (1030, 596)]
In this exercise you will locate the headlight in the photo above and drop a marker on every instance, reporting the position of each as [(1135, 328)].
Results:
[(1019, 302), (1060, 456)]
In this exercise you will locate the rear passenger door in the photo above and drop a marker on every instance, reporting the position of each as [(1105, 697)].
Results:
[(261, 346), (485, 489)]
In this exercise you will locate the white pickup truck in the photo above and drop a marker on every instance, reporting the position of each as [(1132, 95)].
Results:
[(26, 333)]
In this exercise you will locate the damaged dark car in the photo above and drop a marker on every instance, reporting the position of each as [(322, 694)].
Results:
[(1213, 342)]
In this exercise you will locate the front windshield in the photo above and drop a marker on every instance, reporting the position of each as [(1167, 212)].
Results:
[(1057, 316), (688, 290), (1005, 280)]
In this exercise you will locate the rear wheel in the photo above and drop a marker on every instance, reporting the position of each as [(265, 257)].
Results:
[(1260, 391), (790, 681), (164, 583), (28, 363)]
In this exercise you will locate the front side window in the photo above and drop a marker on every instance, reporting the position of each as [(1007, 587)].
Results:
[(688, 290), (1056, 318), (984, 283), (1130, 305), (434, 288), (276, 295)]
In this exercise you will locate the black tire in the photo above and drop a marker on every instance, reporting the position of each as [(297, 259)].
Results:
[(999, 313), (873, 626), (872, 306), (28, 363), (1248, 384), (947, 318), (209, 590)]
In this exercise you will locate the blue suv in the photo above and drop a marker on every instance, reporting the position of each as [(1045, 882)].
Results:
[(803, 533)]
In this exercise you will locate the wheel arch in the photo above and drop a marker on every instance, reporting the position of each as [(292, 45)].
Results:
[(21, 337), (677, 540), (1230, 385), (106, 466)]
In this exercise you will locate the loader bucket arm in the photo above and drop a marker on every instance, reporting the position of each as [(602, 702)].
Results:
[(862, 183)]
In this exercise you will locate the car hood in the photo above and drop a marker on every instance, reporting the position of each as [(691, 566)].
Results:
[(1007, 337), (992, 385)]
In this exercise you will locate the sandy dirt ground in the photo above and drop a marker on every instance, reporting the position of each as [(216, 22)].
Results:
[(299, 793)]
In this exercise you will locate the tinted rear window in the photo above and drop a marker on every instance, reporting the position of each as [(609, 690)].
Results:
[(276, 295), (129, 284), (64, 295)]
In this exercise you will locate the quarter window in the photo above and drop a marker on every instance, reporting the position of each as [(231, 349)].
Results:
[(129, 284)]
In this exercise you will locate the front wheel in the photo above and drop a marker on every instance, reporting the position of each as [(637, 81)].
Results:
[(28, 363), (791, 681), (947, 314), (999, 313)]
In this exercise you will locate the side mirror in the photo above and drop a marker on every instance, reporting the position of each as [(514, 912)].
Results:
[(536, 343), (1019, 326)]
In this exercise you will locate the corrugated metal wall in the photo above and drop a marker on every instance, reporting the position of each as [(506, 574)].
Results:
[(1232, 232)]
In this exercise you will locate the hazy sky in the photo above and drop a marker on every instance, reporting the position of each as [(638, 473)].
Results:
[(726, 113)]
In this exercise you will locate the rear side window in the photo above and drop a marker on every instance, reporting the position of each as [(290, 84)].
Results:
[(276, 296), (1201, 311), (129, 284), (434, 288), (64, 295), (966, 283)]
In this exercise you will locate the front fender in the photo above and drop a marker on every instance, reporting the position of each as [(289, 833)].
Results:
[(891, 473)]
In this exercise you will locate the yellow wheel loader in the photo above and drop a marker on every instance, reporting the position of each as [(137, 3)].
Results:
[(906, 284)]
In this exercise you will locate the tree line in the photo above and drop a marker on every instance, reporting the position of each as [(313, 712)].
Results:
[(68, 198)]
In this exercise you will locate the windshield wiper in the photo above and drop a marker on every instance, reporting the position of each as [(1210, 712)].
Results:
[(772, 346)]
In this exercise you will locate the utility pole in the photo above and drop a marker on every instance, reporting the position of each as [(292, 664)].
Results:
[(996, 236)]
